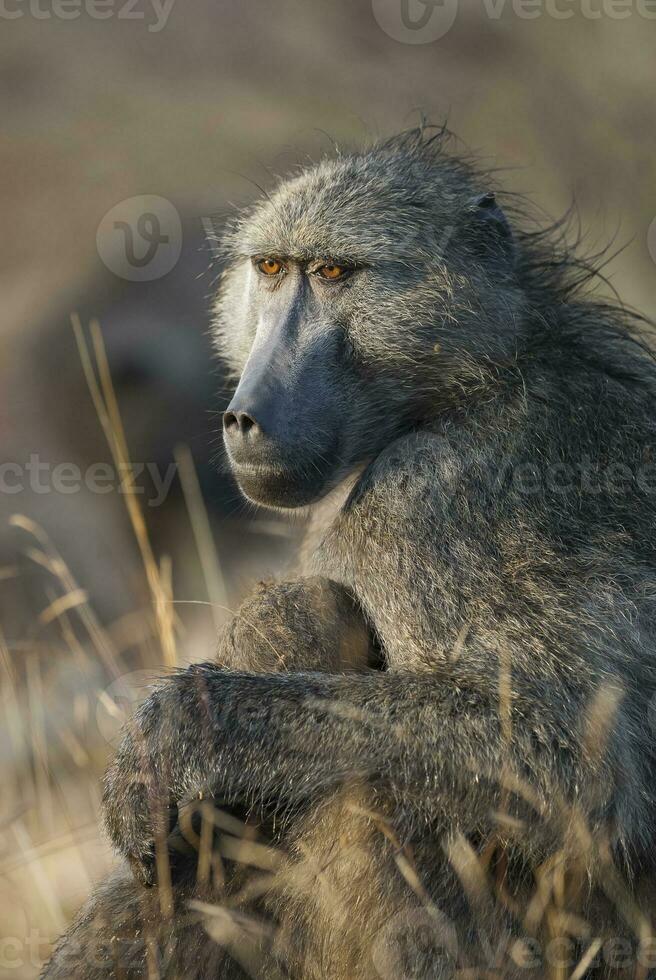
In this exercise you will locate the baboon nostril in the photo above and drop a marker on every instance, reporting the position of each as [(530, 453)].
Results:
[(239, 423), (246, 422), (230, 423)]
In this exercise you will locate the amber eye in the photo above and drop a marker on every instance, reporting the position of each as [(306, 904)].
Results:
[(270, 267), (332, 271)]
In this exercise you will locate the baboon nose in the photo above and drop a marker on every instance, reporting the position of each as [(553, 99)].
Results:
[(242, 424)]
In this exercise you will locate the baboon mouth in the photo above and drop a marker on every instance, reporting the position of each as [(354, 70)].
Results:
[(279, 486)]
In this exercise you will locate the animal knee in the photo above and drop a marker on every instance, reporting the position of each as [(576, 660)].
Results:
[(122, 932), (107, 937)]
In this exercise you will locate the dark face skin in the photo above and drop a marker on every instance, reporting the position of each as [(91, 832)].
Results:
[(287, 430)]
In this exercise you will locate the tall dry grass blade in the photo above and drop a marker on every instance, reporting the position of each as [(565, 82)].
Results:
[(104, 400), (541, 898), (164, 879), (459, 645), (200, 525), (242, 936), (403, 857), (122, 459), (74, 747), (40, 878), (82, 834), (49, 558), (12, 716), (39, 740), (618, 893), (473, 875), (586, 960), (163, 612), (250, 853), (505, 695), (62, 604), (204, 866)]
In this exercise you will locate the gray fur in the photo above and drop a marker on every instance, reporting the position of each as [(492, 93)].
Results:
[(485, 552)]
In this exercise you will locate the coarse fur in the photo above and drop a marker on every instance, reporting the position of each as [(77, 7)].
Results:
[(443, 720)]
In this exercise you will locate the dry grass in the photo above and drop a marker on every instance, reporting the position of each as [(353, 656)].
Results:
[(51, 848)]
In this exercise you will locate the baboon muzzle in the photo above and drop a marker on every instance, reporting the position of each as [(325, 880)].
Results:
[(281, 427)]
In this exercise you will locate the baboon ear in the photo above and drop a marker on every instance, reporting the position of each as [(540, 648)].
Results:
[(487, 233)]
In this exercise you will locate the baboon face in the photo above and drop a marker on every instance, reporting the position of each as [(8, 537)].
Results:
[(355, 295)]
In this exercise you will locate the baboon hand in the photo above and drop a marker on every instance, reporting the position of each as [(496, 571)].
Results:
[(176, 749)]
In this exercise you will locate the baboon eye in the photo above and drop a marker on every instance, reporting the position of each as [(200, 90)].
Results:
[(269, 266), (332, 271)]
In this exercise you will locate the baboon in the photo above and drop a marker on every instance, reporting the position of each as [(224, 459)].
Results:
[(440, 721)]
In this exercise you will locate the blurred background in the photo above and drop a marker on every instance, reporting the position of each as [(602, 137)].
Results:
[(130, 132)]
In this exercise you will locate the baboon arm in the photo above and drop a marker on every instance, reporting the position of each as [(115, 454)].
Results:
[(435, 743)]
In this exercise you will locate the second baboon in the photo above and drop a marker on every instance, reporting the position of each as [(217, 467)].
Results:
[(442, 720)]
